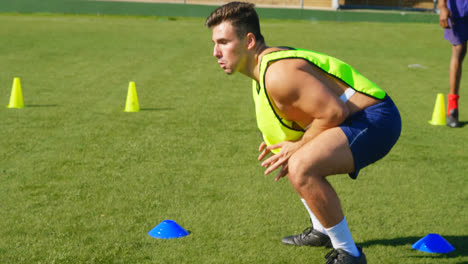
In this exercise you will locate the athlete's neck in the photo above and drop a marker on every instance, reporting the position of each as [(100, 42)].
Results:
[(252, 66)]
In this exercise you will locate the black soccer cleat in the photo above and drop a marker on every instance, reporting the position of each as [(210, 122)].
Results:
[(308, 237), (339, 256), (452, 119)]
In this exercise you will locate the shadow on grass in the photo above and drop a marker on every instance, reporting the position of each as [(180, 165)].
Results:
[(157, 109), (41, 105), (463, 123), (460, 243)]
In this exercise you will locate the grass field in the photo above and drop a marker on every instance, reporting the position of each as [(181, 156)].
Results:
[(81, 181)]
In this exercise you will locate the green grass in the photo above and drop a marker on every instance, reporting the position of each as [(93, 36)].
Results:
[(81, 181)]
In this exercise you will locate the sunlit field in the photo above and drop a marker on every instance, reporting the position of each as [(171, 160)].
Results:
[(82, 181)]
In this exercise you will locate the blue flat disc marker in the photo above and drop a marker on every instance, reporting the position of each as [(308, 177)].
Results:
[(433, 243), (168, 229)]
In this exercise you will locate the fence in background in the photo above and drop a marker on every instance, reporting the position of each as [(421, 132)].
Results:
[(390, 4), (423, 5)]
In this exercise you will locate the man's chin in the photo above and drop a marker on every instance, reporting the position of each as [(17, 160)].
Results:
[(228, 72)]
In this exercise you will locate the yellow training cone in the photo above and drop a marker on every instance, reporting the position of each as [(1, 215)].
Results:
[(16, 96), (438, 116), (132, 100)]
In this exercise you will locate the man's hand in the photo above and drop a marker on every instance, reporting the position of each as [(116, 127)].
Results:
[(281, 159), (264, 151), (444, 16)]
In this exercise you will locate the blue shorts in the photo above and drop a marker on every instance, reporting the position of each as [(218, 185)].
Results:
[(457, 34), (372, 132)]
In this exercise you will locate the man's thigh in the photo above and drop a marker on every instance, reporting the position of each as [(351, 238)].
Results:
[(327, 154)]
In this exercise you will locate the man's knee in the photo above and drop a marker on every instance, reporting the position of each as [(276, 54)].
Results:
[(459, 51), (301, 172)]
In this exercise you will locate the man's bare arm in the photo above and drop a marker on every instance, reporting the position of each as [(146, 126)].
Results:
[(444, 14)]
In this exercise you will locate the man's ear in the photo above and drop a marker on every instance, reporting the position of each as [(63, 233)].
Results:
[(251, 41)]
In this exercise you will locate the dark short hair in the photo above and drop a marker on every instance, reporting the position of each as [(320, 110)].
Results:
[(242, 16)]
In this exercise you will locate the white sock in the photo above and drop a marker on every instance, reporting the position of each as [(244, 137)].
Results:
[(315, 222), (341, 238)]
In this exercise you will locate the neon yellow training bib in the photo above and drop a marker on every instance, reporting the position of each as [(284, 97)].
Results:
[(276, 129)]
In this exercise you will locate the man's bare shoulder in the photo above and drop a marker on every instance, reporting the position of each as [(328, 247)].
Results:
[(284, 78)]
